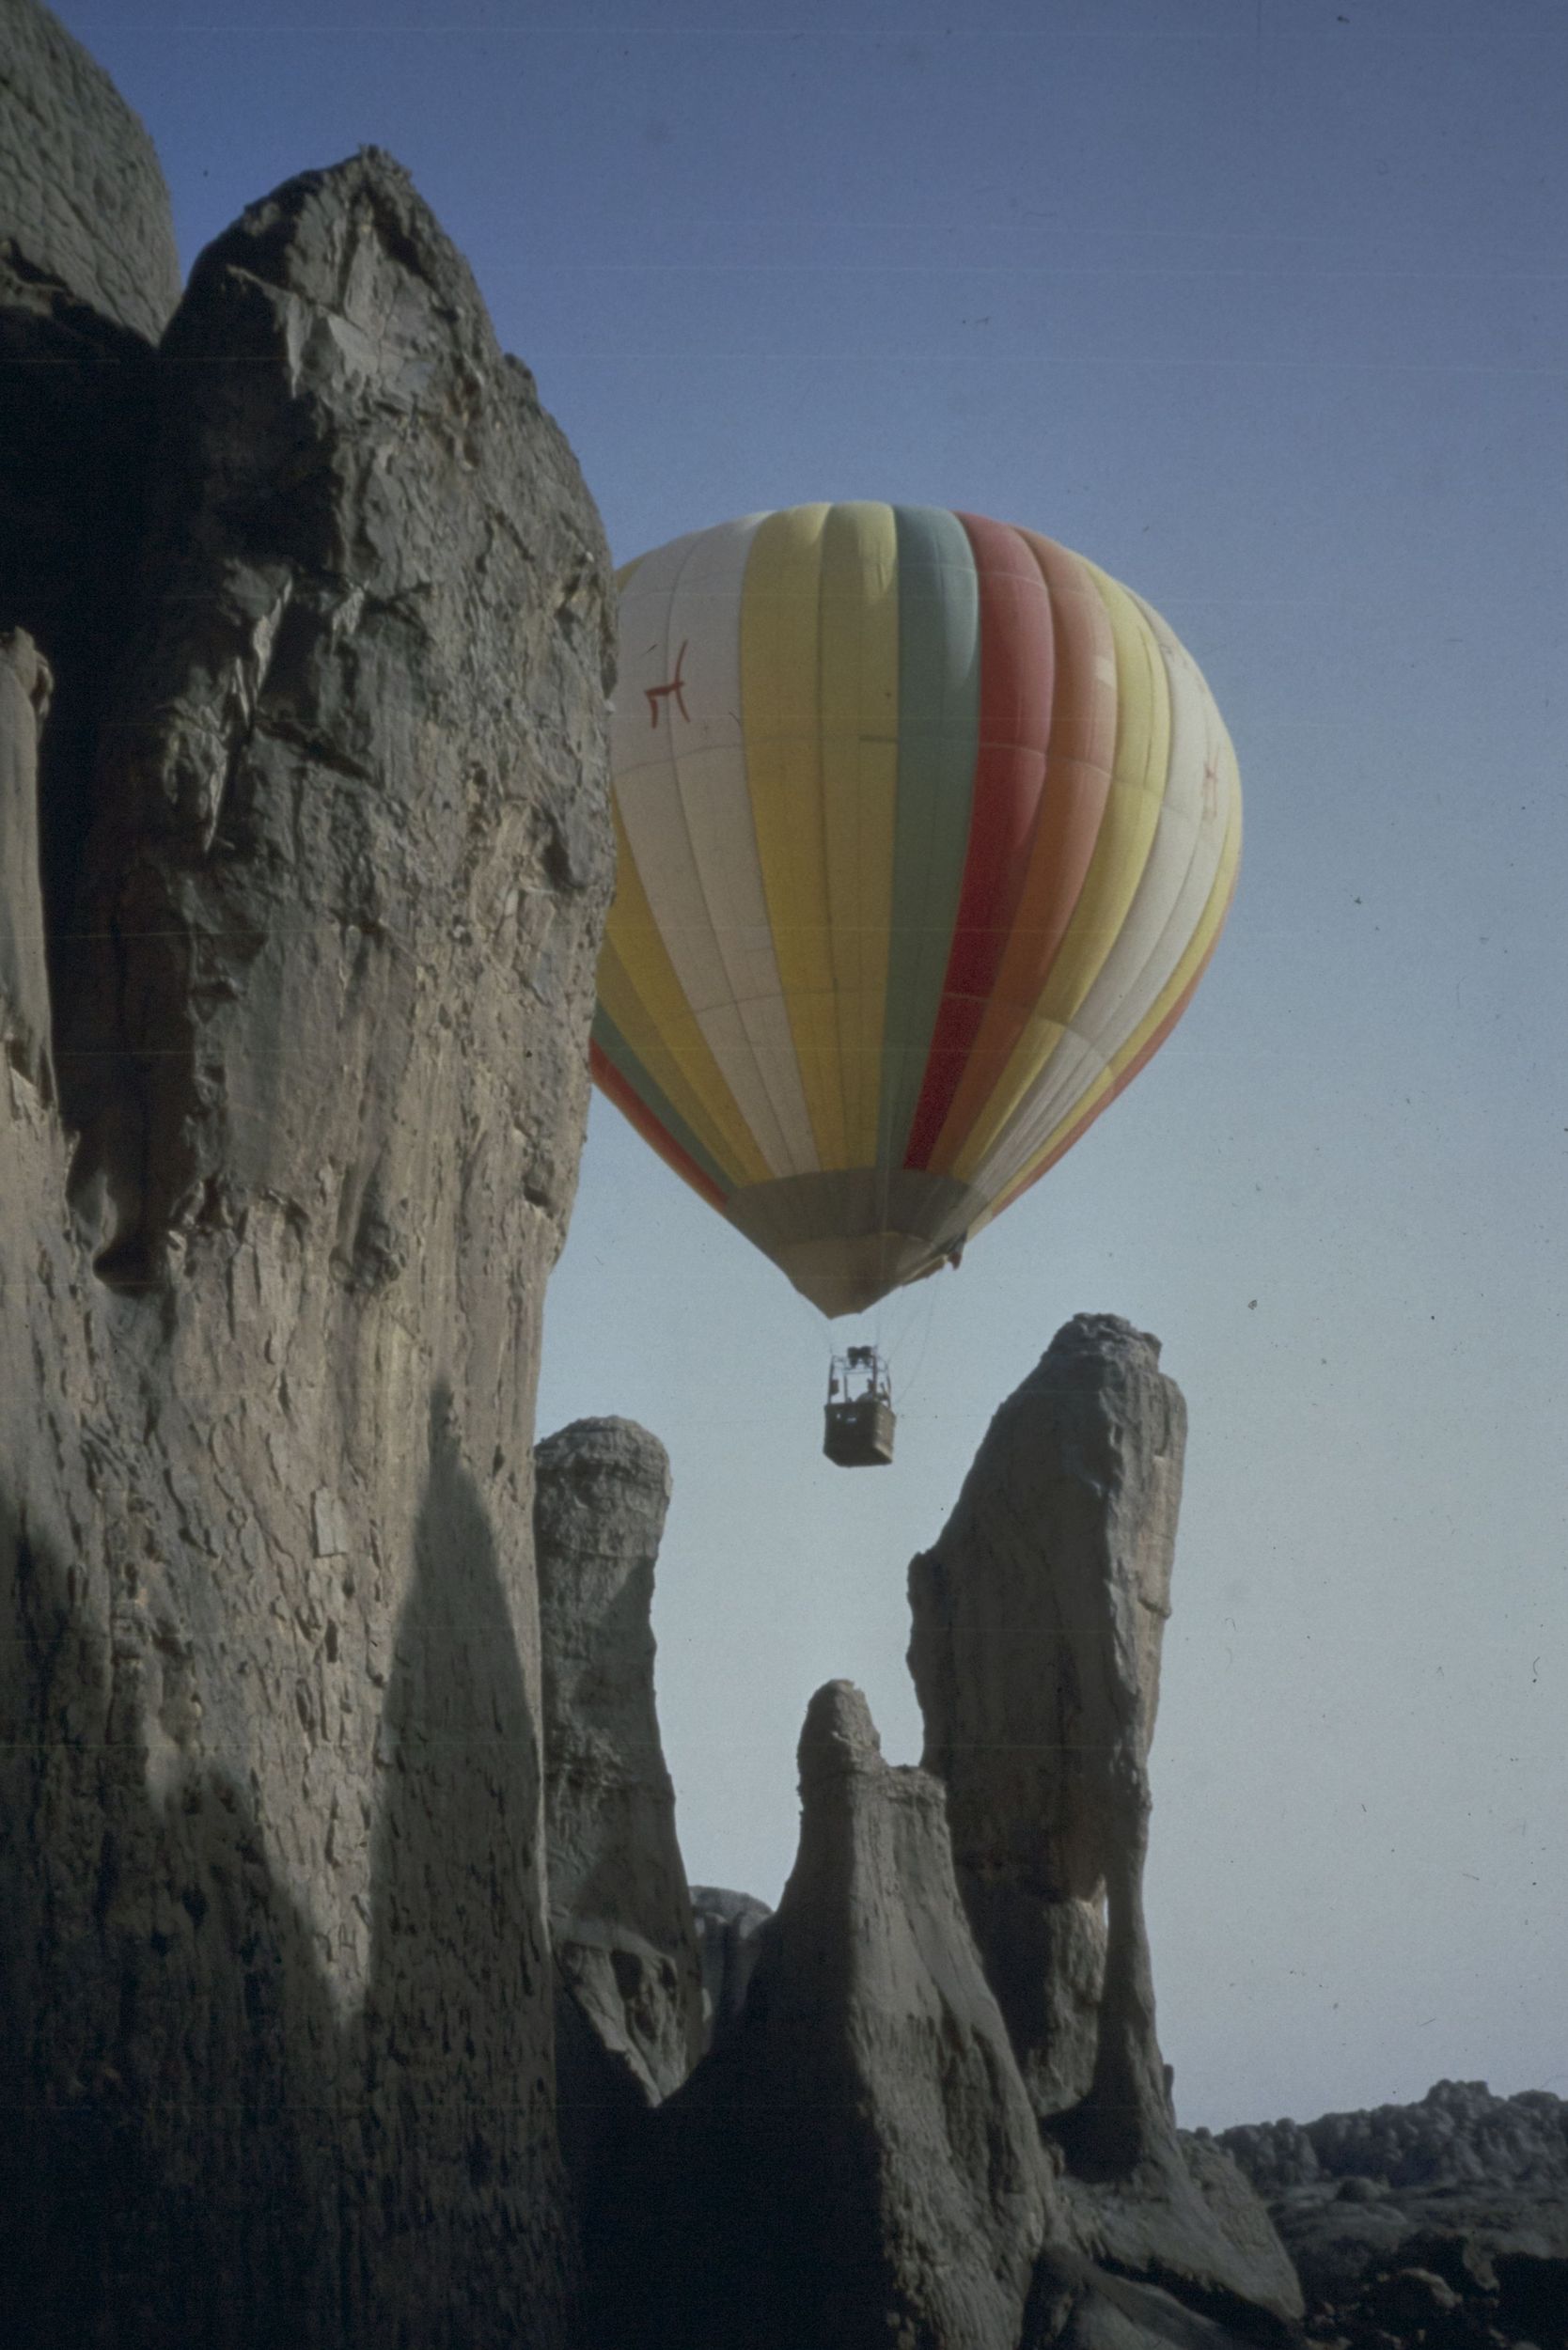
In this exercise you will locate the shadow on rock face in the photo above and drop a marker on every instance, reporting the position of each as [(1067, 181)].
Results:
[(169, 2144), (198, 2144), (457, 1752), (456, 2124)]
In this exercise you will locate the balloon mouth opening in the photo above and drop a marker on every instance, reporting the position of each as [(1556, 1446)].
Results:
[(849, 1237), (837, 1292)]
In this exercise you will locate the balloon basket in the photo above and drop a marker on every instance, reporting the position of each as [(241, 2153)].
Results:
[(859, 1422)]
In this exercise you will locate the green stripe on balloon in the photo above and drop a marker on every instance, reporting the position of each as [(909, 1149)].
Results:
[(938, 742), (634, 1074)]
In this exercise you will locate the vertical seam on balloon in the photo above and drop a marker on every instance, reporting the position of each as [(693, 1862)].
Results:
[(1041, 1036), (855, 764), (781, 1156), (1008, 1016), (1140, 1049), (935, 537), (825, 846), (1067, 1076), (629, 1011), (991, 915), (784, 1087), (647, 966), (1181, 704), (801, 1003)]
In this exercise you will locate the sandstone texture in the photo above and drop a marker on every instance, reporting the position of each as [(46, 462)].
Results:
[(621, 1926), (1037, 1622), (856, 2162), (274, 1946)]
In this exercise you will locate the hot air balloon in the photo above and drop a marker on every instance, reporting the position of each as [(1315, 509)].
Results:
[(926, 829)]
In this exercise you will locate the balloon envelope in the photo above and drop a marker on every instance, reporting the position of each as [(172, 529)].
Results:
[(926, 831)]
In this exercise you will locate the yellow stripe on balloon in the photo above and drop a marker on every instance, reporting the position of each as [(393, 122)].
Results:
[(1121, 849), (858, 723), (780, 694), (1180, 978), (638, 989)]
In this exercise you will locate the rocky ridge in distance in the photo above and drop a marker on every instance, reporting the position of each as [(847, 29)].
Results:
[(1444, 2221)]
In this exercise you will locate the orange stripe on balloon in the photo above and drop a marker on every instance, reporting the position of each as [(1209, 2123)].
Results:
[(607, 1078)]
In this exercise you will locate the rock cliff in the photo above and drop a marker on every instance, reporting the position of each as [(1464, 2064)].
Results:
[(274, 1947)]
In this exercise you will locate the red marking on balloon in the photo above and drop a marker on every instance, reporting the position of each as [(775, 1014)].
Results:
[(656, 694)]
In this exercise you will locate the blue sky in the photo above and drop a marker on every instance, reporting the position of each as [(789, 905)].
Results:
[(1263, 307)]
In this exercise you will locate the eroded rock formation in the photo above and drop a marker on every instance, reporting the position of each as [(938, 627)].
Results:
[(856, 2162), (1038, 1616), (278, 2064), (1035, 1649), (621, 1927)]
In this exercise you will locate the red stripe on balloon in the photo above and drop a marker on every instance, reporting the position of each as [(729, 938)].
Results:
[(607, 1078), (1080, 756), (1017, 677)]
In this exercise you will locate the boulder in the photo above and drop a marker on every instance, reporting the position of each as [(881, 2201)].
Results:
[(1037, 1622), (274, 1947), (621, 1927)]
